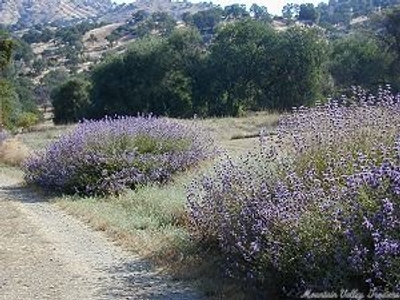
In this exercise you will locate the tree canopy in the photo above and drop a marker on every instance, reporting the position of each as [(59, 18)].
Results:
[(248, 66)]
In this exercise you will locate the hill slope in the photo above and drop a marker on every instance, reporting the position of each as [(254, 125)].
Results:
[(29, 12)]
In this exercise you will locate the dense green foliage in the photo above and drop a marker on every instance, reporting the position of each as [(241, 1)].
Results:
[(70, 101), (228, 61), (343, 11), (151, 77), (10, 105), (16, 93), (224, 62), (178, 76), (205, 21), (366, 63), (47, 84), (6, 46)]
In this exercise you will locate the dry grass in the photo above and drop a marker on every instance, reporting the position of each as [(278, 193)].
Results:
[(227, 128), (100, 33), (239, 135), (13, 152), (41, 135)]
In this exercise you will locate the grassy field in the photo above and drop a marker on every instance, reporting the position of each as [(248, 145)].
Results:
[(151, 220)]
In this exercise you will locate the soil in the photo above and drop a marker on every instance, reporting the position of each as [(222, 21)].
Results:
[(47, 254)]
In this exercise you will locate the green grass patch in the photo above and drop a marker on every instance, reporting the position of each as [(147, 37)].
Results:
[(154, 217)]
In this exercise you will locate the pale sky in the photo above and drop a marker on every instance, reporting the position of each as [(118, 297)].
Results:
[(274, 6)]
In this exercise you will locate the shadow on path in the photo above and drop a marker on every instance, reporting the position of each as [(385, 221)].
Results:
[(22, 193), (140, 281)]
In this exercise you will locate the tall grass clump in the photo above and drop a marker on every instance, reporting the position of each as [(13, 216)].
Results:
[(107, 156), (13, 151), (318, 208)]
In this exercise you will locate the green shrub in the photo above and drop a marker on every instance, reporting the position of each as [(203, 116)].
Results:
[(27, 120)]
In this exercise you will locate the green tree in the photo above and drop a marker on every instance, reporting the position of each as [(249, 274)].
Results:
[(163, 22), (10, 107), (207, 20), (24, 52), (24, 87), (235, 12), (27, 120), (16, 93), (187, 55), (48, 83), (308, 12), (260, 12), (70, 101), (298, 60), (92, 39), (359, 61), (249, 65), (140, 16), (154, 75), (39, 65), (385, 29), (128, 84), (234, 61), (391, 32), (6, 49), (55, 78), (290, 11)]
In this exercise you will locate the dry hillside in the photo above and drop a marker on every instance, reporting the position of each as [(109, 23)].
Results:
[(43, 11)]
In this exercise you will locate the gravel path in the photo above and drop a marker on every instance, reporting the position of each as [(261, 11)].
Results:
[(47, 254)]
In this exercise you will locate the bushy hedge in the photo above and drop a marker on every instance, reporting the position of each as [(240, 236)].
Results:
[(316, 209), (107, 156)]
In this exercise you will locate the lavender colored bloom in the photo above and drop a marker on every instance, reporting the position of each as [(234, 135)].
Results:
[(107, 156), (325, 214)]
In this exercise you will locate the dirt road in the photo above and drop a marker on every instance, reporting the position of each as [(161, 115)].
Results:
[(46, 254)]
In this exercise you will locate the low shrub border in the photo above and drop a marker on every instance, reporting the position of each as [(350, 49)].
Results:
[(107, 156), (317, 209)]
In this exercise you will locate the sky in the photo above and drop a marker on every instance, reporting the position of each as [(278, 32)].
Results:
[(274, 6)]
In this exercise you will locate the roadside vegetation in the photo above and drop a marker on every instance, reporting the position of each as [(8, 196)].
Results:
[(315, 209), (269, 168), (312, 206), (109, 156), (151, 219)]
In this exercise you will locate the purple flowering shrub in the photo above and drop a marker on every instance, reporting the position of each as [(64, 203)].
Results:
[(107, 156), (317, 207)]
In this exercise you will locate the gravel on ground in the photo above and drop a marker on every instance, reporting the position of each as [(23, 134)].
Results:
[(48, 254)]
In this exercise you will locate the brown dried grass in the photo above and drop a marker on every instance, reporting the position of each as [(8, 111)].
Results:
[(13, 152)]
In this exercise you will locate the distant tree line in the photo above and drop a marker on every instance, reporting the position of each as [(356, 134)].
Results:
[(247, 65), (335, 11), (223, 62), (143, 23)]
